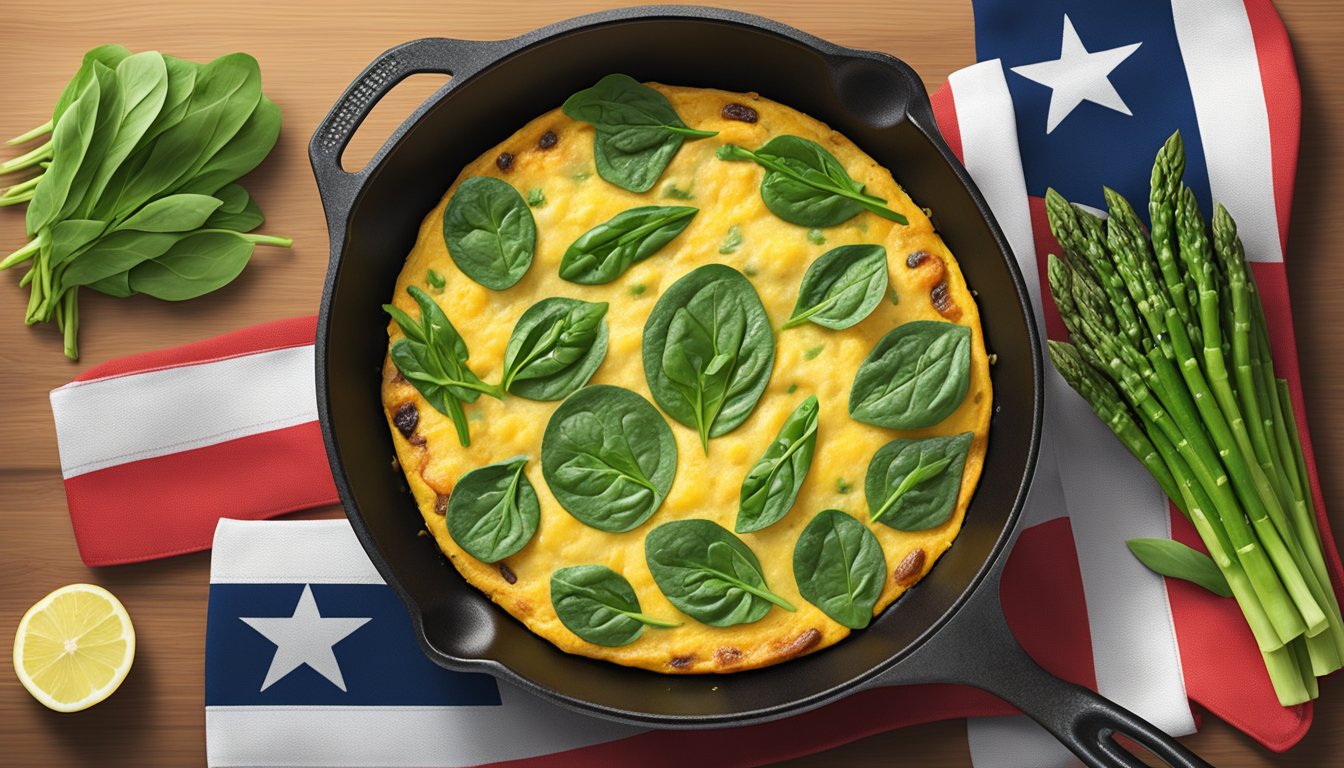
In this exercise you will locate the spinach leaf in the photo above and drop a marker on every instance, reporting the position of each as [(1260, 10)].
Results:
[(107, 55), (493, 511), (913, 484), (244, 152), (555, 348), (70, 141), (116, 253), (839, 566), (805, 185), (708, 350), (599, 605), (198, 263), (915, 377), (637, 130), (433, 357), (138, 92), (1178, 561), (70, 236), (606, 251), (772, 485), (225, 93), (709, 574), (173, 213), (608, 457), (237, 210), (842, 287), (489, 232)]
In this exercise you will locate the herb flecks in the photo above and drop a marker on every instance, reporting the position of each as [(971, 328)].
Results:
[(732, 241)]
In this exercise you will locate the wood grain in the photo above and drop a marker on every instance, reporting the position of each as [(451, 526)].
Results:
[(308, 53)]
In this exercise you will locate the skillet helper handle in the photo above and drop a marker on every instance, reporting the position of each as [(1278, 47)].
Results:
[(1088, 723), (442, 55), (977, 648)]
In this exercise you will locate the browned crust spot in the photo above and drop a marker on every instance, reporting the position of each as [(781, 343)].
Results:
[(740, 112), (681, 662), (910, 569), (505, 161), (507, 573), (800, 644), (523, 606), (547, 140), (727, 656), (406, 418), (915, 259), (441, 504), (943, 301)]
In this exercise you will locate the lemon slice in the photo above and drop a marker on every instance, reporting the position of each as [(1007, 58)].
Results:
[(74, 647)]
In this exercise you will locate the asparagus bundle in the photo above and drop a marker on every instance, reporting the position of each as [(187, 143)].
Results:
[(1169, 348)]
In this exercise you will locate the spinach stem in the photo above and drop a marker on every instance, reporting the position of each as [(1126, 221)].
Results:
[(651, 621), (30, 135), (23, 186), (26, 252), (27, 160), (70, 325)]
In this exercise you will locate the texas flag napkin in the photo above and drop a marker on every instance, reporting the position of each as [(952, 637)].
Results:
[(157, 447)]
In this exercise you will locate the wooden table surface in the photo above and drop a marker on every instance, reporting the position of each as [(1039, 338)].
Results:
[(308, 55)]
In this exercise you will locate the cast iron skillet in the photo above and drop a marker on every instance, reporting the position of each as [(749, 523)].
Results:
[(950, 628)]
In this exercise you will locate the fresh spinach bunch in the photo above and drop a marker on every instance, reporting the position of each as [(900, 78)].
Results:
[(433, 357), (772, 485), (805, 185), (915, 377), (136, 194), (913, 483), (708, 350), (842, 287), (489, 231), (709, 574), (606, 251), (839, 567), (556, 347), (493, 511), (608, 457), (637, 130), (599, 605)]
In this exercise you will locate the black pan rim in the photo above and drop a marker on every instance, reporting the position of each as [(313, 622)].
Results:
[(920, 115)]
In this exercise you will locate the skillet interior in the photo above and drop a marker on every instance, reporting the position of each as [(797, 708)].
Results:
[(872, 99)]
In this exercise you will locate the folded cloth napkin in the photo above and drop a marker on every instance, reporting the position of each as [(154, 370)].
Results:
[(1071, 101)]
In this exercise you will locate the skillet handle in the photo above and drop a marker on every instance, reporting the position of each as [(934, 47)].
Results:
[(337, 186), (977, 648)]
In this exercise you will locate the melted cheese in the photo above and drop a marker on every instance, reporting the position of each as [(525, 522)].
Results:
[(810, 360)]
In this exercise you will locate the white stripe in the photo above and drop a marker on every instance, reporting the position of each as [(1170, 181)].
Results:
[(1015, 741), (378, 737), (106, 422), (289, 552), (1133, 640), (989, 148), (1224, 73)]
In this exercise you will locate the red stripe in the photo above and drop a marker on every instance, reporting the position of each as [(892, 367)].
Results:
[(945, 112), (1283, 102), (1044, 603), (169, 505), (1223, 669), (280, 334), (850, 719)]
